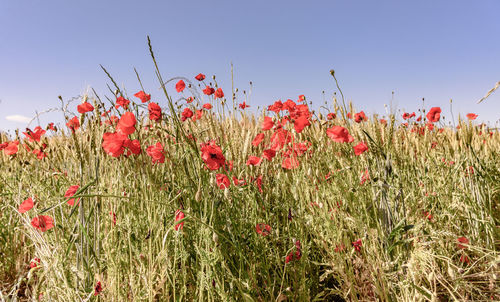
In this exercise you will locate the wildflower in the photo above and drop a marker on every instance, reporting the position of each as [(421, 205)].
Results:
[(263, 229), (180, 86), (276, 107), (360, 148), (290, 163), (179, 215), (154, 111), (365, 177), (331, 116), (268, 154), (357, 245), (11, 148), (219, 94), (73, 124), (434, 114), (208, 90), (143, 96), (302, 98), (70, 192), (187, 113), (97, 288), (267, 123), (359, 117), (42, 223), (126, 124), (243, 105), (113, 143), (34, 135), (35, 263), (212, 155), (207, 106), (258, 139), (300, 123), (26, 205), (156, 153), (123, 102), (190, 99), (339, 134), (200, 77), (113, 217), (254, 161), (471, 116), (463, 242), (84, 107), (222, 181)]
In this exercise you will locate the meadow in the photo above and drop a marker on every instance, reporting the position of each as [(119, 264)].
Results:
[(190, 197)]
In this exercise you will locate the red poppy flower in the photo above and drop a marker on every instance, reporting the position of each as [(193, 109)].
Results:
[(70, 192), (239, 182), (254, 161), (179, 215), (123, 102), (208, 90), (263, 229), (383, 122), (359, 117), (357, 245), (154, 111), (207, 106), (42, 223), (243, 105), (300, 123), (198, 114), (276, 107), (364, 177), (290, 163), (126, 124), (156, 153), (180, 86), (302, 98), (11, 148), (84, 107), (267, 123), (97, 288), (200, 77), (187, 113), (35, 263), (212, 156), (464, 259), (134, 146), (360, 148), (258, 139), (434, 114), (471, 116), (463, 242), (339, 134), (26, 205), (219, 94), (50, 126), (34, 135), (113, 218), (113, 143), (268, 154), (73, 124), (190, 99), (222, 181), (430, 126), (143, 96), (331, 116)]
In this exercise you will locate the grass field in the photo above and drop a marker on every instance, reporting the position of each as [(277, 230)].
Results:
[(137, 202)]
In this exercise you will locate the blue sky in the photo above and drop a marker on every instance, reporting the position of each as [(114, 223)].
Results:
[(439, 50)]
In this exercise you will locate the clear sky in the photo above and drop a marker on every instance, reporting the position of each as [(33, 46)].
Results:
[(439, 50)]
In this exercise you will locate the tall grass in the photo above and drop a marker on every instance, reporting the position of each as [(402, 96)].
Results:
[(425, 189)]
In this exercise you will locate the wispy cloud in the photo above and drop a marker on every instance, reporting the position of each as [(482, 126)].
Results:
[(18, 118)]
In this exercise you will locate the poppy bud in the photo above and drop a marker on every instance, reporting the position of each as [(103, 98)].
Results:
[(197, 196)]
